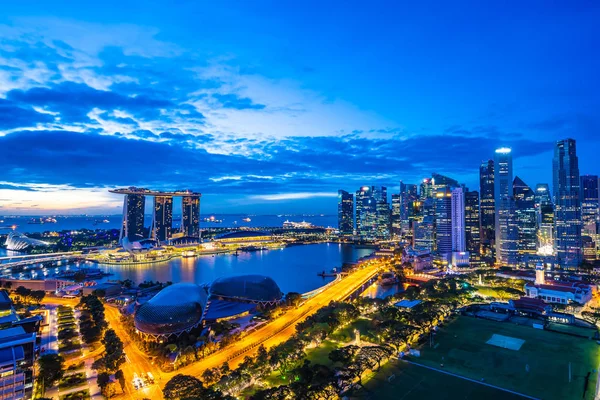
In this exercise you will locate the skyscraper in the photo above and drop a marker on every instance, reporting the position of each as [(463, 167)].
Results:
[(546, 230), (162, 222), (567, 204), (423, 236), (408, 196), (458, 220), (590, 214), (443, 223), (345, 212), (372, 212), (396, 215), (472, 228), (133, 217), (506, 229), (190, 216), (542, 194), (383, 213), (487, 207), (526, 217)]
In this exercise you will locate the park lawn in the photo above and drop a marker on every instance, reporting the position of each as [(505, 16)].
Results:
[(462, 344), (317, 355), (575, 330), (346, 334), (412, 382)]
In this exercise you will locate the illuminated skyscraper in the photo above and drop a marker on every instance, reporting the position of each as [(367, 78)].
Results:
[(162, 223), (506, 227), (567, 204), (345, 212), (487, 207), (426, 189), (408, 198), (443, 223), (472, 228), (372, 212), (590, 215), (423, 236), (526, 217), (395, 216), (545, 233), (133, 217), (542, 194), (190, 216), (458, 220)]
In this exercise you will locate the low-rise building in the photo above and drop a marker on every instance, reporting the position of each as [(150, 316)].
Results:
[(17, 355), (420, 259), (557, 291)]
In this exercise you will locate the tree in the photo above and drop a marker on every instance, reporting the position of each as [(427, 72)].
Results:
[(127, 283), (183, 387), (592, 316), (293, 299), (23, 293), (344, 354), (38, 295), (103, 379), (51, 369), (276, 393), (120, 377), (110, 390), (114, 356), (211, 376)]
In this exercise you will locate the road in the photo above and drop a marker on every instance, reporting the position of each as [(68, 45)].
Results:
[(136, 361), (269, 335)]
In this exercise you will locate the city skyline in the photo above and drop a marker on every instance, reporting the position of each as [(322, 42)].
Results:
[(263, 116)]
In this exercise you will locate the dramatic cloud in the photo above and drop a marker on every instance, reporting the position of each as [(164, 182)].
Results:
[(253, 112)]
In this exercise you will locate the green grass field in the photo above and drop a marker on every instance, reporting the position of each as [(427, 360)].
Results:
[(412, 382), (461, 346)]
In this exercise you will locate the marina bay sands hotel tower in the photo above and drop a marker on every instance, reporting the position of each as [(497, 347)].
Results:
[(161, 228)]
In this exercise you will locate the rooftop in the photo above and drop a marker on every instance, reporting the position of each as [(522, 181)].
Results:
[(243, 234), (407, 303), (149, 192)]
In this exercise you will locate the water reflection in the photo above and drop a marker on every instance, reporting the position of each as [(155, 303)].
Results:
[(294, 268), (379, 291)]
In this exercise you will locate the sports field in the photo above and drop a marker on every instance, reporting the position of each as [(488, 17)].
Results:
[(538, 368), (412, 382)]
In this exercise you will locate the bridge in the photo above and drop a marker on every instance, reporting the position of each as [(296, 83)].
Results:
[(24, 260)]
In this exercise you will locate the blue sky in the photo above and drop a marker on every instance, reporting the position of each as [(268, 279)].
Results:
[(273, 106)]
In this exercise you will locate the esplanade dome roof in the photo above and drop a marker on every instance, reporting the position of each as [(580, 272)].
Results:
[(175, 309), (246, 287)]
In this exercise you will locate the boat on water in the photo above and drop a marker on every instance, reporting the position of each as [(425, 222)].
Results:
[(246, 219), (39, 221), (188, 254), (297, 225), (213, 220)]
